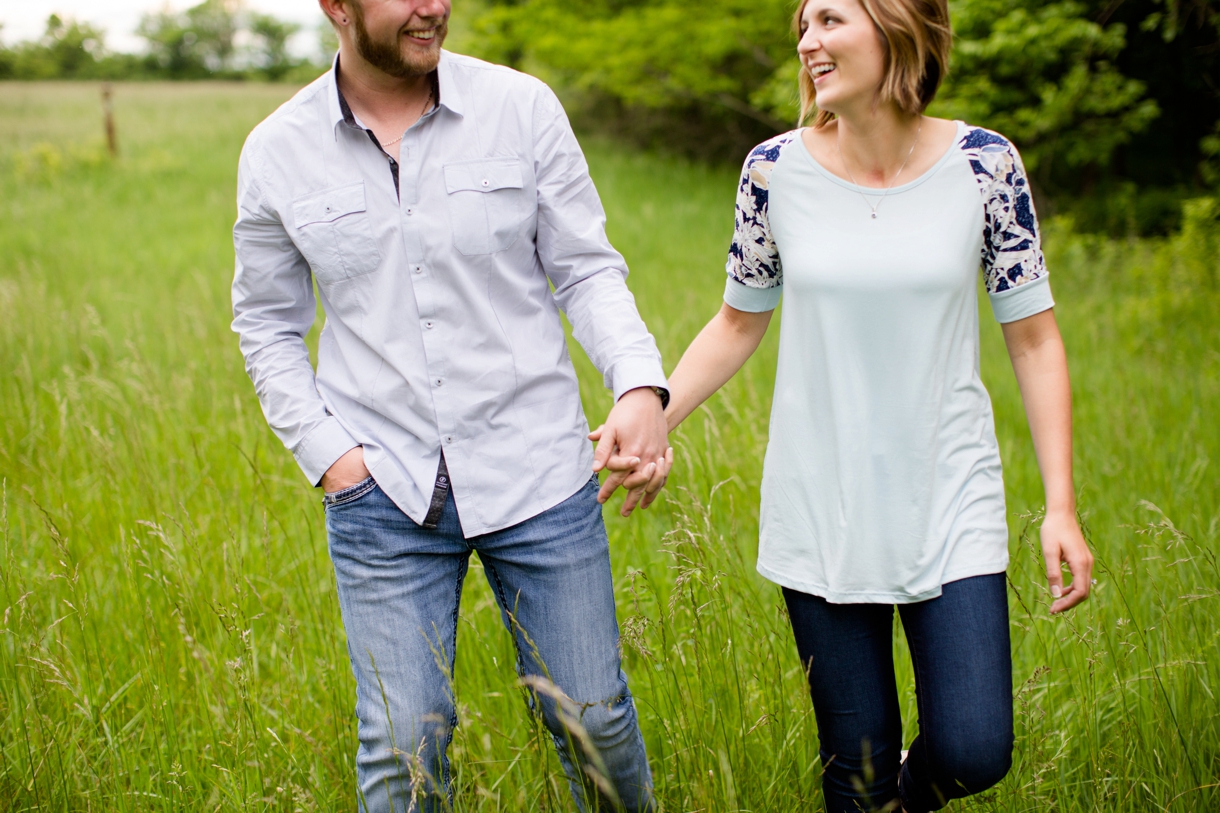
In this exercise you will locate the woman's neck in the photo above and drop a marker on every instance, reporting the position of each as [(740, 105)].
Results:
[(876, 142)]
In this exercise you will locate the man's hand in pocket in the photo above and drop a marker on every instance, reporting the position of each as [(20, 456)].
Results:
[(346, 472)]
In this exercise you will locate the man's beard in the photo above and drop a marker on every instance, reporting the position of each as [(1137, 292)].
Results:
[(388, 56)]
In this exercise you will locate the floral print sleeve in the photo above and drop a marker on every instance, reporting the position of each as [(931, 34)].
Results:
[(753, 258), (1012, 247)]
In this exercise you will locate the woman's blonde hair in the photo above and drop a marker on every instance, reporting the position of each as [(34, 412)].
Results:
[(917, 39)]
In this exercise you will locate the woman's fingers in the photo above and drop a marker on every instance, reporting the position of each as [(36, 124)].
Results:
[(633, 498), (613, 480), (639, 477), (1080, 565), (1062, 543), (659, 478)]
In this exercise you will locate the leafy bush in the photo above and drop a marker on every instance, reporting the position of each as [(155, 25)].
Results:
[(714, 77)]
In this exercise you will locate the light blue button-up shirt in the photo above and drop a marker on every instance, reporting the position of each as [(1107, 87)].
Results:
[(442, 329)]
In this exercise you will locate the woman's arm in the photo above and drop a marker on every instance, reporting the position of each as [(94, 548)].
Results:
[(715, 355), (1040, 363)]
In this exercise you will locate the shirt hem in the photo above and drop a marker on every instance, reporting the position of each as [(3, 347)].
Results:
[(879, 597)]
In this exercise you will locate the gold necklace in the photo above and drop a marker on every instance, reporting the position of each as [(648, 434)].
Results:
[(892, 180), (426, 108)]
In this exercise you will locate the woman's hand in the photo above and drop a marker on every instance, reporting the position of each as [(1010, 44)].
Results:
[(1040, 362), (1062, 542)]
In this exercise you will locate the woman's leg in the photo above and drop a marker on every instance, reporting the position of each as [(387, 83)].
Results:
[(963, 685), (847, 650)]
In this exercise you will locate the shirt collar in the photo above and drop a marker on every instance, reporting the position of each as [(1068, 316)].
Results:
[(446, 82)]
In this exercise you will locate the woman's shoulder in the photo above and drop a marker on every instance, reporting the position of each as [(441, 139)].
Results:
[(756, 174), (768, 152), (995, 163), (990, 153)]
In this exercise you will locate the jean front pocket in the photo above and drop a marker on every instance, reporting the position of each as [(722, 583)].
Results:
[(486, 204), (334, 233), (350, 494)]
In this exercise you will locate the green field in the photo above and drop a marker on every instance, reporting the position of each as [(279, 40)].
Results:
[(170, 635)]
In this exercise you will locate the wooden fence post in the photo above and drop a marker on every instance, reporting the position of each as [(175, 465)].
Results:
[(112, 139)]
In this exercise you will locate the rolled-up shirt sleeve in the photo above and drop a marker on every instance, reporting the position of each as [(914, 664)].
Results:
[(588, 274), (273, 310)]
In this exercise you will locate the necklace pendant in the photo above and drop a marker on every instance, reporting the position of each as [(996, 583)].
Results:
[(874, 215)]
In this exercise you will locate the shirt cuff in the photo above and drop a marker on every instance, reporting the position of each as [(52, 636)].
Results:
[(635, 372), (326, 443), (743, 297), (1023, 301)]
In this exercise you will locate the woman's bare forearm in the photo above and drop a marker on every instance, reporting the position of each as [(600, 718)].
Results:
[(1040, 364), (716, 354)]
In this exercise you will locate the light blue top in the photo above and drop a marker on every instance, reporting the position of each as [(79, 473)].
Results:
[(442, 328), (882, 478)]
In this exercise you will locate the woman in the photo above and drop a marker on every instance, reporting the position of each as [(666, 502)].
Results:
[(882, 483)]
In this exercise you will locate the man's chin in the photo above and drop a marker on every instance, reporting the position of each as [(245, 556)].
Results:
[(421, 60)]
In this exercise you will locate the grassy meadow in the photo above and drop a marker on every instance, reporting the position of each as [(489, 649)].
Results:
[(170, 637)]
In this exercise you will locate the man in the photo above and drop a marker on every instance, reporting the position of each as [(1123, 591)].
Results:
[(435, 199)]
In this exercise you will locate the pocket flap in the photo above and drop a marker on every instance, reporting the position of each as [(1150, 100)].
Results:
[(328, 205), (483, 176)]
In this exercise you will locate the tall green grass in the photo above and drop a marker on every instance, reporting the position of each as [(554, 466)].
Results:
[(170, 638)]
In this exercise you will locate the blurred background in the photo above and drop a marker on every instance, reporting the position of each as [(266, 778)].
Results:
[(1115, 104)]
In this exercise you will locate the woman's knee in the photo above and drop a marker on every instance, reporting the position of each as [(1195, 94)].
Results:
[(973, 767)]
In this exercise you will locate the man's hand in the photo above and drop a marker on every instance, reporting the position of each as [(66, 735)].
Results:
[(633, 446), (345, 472), (1062, 541)]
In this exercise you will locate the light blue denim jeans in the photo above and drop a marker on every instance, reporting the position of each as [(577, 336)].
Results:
[(399, 588)]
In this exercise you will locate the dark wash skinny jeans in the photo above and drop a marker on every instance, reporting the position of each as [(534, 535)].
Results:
[(963, 687)]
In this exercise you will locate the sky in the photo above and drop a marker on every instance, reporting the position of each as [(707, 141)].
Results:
[(26, 19)]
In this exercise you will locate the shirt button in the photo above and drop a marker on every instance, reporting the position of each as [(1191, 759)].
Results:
[(419, 269), (428, 325), (438, 382), (410, 212), (449, 438), (486, 182)]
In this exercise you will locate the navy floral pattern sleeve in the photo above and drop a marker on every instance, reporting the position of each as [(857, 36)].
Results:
[(753, 258), (1012, 246)]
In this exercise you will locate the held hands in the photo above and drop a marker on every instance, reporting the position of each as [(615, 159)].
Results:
[(1062, 541), (633, 446), (345, 472)]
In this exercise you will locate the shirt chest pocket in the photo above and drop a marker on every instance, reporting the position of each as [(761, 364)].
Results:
[(335, 234), (486, 204)]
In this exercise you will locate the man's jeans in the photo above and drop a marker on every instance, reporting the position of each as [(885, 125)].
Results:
[(963, 690), (399, 588)]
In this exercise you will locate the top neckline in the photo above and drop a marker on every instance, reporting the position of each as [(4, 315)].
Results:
[(894, 190)]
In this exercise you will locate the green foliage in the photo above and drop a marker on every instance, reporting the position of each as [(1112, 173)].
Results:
[(198, 43), (271, 35), (1043, 74), (702, 66), (1091, 97), (169, 634), (68, 49)]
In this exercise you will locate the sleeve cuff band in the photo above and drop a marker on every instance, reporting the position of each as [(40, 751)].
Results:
[(1023, 301), (742, 297), (326, 443)]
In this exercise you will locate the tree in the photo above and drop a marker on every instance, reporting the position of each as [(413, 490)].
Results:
[(1043, 74), (193, 44), (271, 37), (692, 75)]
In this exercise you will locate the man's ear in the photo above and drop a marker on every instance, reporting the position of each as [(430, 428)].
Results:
[(336, 12)]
